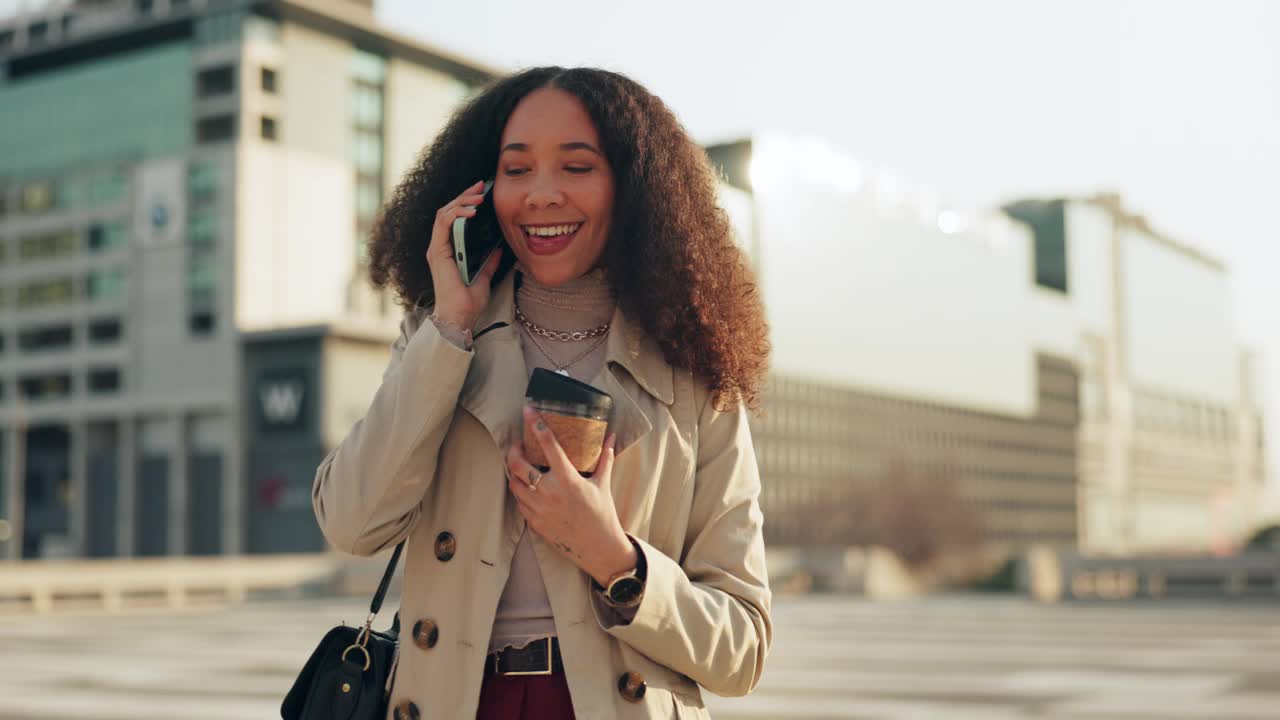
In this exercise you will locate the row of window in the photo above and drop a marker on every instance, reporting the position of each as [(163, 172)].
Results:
[(62, 335), (368, 73), (220, 80), (41, 247), (105, 285), (43, 387), (90, 190), (222, 128), (1183, 416)]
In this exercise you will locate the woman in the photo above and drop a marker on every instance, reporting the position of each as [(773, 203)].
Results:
[(612, 594)]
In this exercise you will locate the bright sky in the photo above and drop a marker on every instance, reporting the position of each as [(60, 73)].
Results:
[(1173, 103), (1176, 105)]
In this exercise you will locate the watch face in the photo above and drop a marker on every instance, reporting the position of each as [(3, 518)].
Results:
[(625, 590)]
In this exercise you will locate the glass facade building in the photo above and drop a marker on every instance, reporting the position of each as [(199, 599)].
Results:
[(164, 173)]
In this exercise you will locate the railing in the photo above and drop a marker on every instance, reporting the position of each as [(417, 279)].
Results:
[(1069, 576), (118, 584)]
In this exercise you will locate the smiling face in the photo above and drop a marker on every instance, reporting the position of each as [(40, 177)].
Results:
[(553, 192)]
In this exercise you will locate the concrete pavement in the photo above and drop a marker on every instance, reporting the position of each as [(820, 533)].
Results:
[(833, 657)]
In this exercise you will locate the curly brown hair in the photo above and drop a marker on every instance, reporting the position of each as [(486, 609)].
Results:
[(670, 257)]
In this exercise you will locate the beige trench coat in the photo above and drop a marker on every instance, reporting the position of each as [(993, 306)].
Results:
[(428, 459)]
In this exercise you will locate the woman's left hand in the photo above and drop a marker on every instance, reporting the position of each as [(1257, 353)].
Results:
[(573, 513)]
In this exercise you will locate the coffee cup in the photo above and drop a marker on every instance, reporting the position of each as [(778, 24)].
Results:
[(575, 412)]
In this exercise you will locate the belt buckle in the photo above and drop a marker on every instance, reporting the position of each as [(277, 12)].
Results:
[(531, 672)]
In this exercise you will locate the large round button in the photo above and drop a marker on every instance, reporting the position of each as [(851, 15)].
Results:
[(406, 710), (632, 687), (446, 546), (425, 634)]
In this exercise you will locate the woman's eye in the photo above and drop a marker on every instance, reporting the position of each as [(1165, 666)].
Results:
[(513, 172), (578, 169)]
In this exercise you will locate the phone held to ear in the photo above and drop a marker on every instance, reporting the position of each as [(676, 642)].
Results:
[(476, 238)]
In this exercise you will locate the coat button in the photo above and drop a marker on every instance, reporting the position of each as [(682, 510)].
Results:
[(406, 710), (632, 687), (446, 546), (425, 634)]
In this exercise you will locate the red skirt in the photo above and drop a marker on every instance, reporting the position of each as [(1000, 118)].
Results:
[(524, 697)]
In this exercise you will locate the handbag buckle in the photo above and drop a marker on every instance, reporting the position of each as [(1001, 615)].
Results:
[(362, 641)]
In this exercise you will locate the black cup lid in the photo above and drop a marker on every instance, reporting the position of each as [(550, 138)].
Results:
[(551, 386)]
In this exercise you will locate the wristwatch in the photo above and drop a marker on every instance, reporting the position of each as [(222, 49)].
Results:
[(625, 589)]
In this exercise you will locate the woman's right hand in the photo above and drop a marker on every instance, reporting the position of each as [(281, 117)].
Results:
[(455, 302)]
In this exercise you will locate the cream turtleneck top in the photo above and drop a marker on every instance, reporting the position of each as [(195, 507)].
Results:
[(524, 611)]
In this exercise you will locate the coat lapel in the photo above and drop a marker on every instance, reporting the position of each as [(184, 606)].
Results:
[(494, 389), (630, 352)]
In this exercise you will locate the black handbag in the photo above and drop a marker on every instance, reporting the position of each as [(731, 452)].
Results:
[(350, 673)]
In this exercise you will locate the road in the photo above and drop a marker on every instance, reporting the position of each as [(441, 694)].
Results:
[(833, 657)]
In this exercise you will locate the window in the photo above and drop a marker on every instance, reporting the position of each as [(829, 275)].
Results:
[(36, 197), (268, 128), (104, 237), (49, 337), (366, 105), (37, 32), (216, 28), (105, 331), (202, 271), (104, 380), (216, 128), (145, 6), (1048, 222), (106, 188), (262, 29), (369, 67), (202, 323), (45, 387), (367, 152), (203, 228), (268, 81), (368, 75), (203, 179), (215, 81), (58, 291), (106, 284), (47, 246)]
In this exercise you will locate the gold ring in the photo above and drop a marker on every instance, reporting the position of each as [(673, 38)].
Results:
[(535, 477)]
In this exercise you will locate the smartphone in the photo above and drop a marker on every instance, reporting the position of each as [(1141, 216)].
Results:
[(476, 238)]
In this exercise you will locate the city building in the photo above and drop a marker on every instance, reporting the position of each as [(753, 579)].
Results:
[(1171, 434), (1063, 372), (177, 178)]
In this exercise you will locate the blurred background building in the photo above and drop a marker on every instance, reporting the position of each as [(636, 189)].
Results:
[(174, 177), (186, 329), (1062, 370)]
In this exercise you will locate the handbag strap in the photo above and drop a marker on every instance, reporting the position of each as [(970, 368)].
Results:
[(379, 596)]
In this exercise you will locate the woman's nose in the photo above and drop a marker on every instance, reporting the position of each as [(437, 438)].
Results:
[(544, 193)]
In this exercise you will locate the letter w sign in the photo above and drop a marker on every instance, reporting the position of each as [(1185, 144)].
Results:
[(281, 401)]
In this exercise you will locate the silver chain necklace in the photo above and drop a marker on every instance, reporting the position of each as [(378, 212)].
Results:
[(562, 367), (558, 335)]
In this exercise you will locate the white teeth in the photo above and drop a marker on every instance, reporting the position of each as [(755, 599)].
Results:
[(552, 230)]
